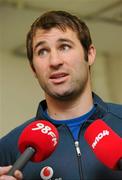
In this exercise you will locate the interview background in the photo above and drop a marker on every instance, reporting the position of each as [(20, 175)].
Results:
[(19, 90)]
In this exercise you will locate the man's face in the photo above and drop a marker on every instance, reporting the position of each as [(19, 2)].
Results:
[(59, 64)]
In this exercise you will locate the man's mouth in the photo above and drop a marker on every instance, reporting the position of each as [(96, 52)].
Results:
[(58, 78)]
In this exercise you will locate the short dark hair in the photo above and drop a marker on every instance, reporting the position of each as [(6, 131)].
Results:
[(61, 20)]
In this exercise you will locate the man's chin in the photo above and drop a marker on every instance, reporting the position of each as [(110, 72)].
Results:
[(63, 96)]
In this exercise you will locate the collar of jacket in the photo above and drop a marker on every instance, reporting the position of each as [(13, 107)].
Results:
[(101, 109)]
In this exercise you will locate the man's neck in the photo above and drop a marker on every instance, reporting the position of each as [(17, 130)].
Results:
[(62, 110)]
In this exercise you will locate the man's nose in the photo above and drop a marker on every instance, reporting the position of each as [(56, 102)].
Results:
[(55, 59)]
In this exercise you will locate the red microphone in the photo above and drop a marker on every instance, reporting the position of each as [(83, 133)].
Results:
[(36, 143), (105, 143)]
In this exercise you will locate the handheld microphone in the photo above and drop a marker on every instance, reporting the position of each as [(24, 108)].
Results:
[(105, 143), (36, 143)]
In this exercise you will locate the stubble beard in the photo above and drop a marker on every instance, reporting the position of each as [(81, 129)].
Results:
[(75, 90)]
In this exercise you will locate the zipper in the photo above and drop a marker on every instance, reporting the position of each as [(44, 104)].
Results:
[(78, 151), (77, 148)]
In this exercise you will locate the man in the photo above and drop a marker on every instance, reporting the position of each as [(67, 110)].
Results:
[(60, 51)]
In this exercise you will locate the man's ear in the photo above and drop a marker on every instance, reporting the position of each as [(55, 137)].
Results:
[(33, 69), (91, 55)]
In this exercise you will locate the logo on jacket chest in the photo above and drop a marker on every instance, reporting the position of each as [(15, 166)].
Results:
[(47, 173)]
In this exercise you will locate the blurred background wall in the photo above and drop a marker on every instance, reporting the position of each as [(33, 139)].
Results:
[(19, 90)]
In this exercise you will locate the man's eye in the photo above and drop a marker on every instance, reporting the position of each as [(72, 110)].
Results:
[(42, 52), (65, 47)]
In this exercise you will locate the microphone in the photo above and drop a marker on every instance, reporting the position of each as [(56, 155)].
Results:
[(105, 143), (36, 143)]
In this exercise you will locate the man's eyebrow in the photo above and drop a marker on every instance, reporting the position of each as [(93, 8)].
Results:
[(65, 40), (59, 40), (39, 44)]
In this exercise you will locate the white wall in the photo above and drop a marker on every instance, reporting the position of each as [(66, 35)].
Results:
[(19, 92), (107, 77)]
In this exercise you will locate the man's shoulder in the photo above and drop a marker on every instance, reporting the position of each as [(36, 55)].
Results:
[(116, 109), (14, 134), (113, 108)]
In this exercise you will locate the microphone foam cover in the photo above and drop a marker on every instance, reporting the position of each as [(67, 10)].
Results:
[(42, 136), (105, 143)]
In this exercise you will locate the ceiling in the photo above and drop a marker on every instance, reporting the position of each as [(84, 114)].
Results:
[(104, 18)]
